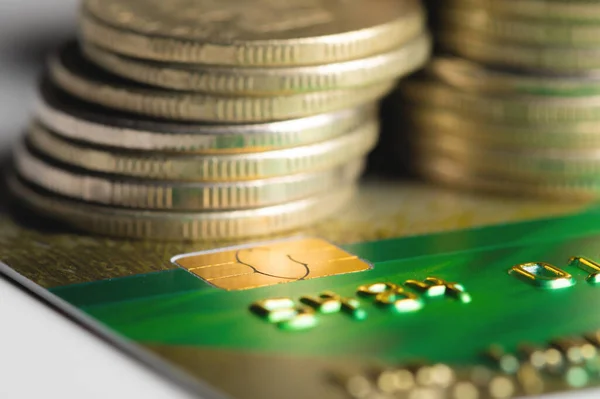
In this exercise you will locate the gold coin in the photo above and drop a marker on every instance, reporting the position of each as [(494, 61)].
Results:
[(251, 32), (522, 109), (456, 175), (194, 167), (268, 81), (165, 195), (470, 76), (479, 21), (541, 164), (74, 119), (511, 136), (82, 79), (175, 226), (535, 58), (554, 10)]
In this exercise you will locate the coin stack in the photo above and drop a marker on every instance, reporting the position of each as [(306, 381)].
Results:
[(211, 120), (512, 102)]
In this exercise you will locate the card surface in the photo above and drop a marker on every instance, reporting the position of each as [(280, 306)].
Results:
[(411, 291)]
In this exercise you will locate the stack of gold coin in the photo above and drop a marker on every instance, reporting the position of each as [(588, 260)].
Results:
[(512, 102), (211, 120)]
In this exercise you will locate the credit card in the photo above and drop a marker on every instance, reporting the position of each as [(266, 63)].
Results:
[(411, 292)]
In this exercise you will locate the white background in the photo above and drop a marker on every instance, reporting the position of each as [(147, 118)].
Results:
[(28, 31)]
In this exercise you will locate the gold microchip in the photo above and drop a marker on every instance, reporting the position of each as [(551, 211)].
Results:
[(261, 265)]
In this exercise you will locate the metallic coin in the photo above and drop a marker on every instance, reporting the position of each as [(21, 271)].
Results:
[(546, 164), (192, 167), (82, 79), (478, 21), (81, 121), (534, 58), (524, 109), (515, 136), (173, 226), (251, 32), (470, 76), (555, 10), (268, 81), (165, 195), (456, 175)]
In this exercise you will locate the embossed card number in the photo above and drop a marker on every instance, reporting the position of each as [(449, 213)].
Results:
[(545, 275)]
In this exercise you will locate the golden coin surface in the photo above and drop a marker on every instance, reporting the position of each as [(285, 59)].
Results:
[(534, 58), (171, 195), (523, 109), (509, 136), (479, 21), (74, 119), (456, 175), (251, 32), (82, 79), (174, 226), (268, 81), (470, 76), (195, 167), (554, 10)]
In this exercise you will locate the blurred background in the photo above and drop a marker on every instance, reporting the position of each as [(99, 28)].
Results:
[(28, 31)]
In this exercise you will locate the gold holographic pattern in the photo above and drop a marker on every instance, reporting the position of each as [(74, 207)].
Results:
[(242, 268)]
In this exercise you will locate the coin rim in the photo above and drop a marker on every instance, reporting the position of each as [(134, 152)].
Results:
[(209, 107), (515, 164), (446, 122), (171, 226), (525, 57), (399, 62), (529, 110), (511, 29), (198, 167), (441, 171), (470, 76), (551, 10), (136, 134), (174, 195), (300, 51)]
